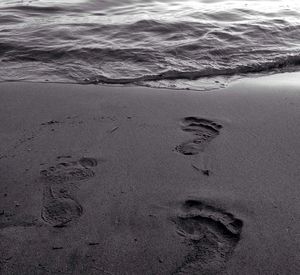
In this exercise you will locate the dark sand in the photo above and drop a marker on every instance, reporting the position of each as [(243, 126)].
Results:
[(102, 180)]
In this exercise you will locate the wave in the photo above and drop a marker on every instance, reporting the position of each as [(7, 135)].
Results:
[(288, 63), (137, 42)]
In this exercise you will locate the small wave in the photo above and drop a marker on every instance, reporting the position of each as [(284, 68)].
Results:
[(34, 9), (280, 64), (9, 19)]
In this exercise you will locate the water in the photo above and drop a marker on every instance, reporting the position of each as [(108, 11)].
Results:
[(168, 43)]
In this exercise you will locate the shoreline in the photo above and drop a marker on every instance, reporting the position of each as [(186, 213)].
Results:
[(220, 82), (128, 180)]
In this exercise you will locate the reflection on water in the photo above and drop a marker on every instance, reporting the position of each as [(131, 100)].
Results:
[(157, 43)]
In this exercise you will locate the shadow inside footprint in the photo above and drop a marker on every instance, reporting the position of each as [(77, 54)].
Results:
[(213, 234), (88, 162), (204, 130)]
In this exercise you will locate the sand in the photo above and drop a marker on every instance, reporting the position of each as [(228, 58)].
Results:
[(131, 180)]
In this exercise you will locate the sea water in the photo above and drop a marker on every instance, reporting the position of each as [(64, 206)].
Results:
[(168, 43)]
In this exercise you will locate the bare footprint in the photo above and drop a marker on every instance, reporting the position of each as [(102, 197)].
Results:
[(205, 131), (60, 208), (213, 234)]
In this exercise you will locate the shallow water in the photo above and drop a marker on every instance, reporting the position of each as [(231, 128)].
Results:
[(178, 44)]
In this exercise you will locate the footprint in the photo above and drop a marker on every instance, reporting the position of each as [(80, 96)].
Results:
[(60, 208), (58, 211), (70, 171), (205, 131), (212, 233)]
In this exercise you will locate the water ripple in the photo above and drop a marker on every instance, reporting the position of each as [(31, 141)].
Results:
[(152, 43)]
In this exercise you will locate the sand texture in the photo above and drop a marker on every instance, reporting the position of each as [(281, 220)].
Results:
[(128, 180)]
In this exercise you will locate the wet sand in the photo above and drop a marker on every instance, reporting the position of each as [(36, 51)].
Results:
[(129, 180)]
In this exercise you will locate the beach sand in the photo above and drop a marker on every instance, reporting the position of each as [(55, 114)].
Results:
[(132, 180)]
